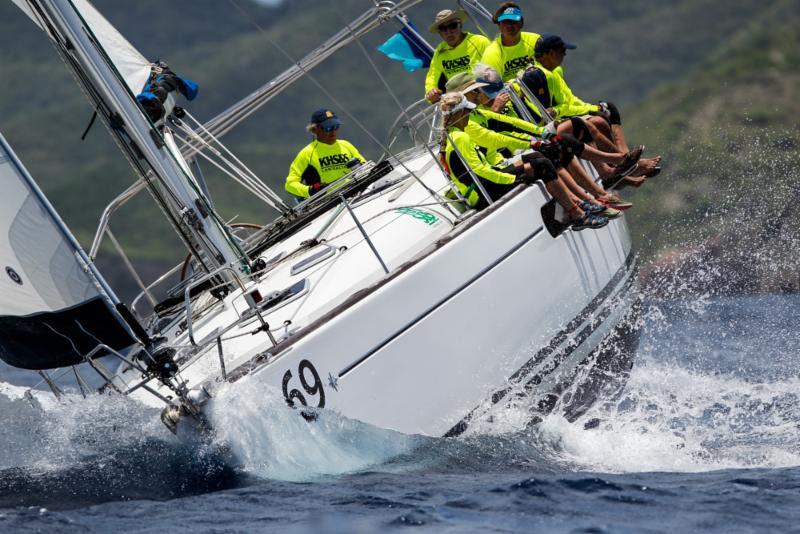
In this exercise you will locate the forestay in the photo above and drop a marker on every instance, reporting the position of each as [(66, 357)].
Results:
[(133, 67), (52, 306)]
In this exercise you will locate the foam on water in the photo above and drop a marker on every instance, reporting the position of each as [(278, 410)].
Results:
[(673, 419), (272, 440)]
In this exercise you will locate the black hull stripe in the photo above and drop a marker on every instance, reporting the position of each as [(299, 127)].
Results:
[(578, 320), (439, 304), (556, 341)]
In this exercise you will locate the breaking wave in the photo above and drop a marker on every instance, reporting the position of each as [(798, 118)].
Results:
[(101, 448), (714, 386)]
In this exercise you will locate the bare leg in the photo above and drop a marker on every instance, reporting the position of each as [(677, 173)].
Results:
[(583, 179), (597, 156), (618, 135), (601, 133), (573, 186), (564, 197)]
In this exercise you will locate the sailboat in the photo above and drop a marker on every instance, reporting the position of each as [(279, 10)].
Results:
[(383, 298)]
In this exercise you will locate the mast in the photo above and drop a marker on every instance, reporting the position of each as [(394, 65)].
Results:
[(151, 150)]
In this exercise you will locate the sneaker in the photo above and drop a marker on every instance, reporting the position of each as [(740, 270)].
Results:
[(588, 221)]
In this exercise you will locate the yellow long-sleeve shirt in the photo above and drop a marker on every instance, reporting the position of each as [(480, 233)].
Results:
[(319, 163), (447, 61), (508, 60)]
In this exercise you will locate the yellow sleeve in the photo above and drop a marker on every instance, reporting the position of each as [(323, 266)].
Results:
[(569, 105), (467, 149), (434, 71), (494, 141), (515, 122), (294, 185), (354, 153)]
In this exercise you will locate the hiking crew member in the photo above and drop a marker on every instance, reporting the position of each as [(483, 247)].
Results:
[(513, 50), (498, 181), (604, 116), (324, 160), (458, 51), (498, 135)]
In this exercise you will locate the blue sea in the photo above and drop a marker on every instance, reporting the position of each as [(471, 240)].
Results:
[(704, 437)]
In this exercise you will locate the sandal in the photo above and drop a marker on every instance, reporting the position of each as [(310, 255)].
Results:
[(610, 213), (616, 202), (588, 221), (590, 207), (628, 163)]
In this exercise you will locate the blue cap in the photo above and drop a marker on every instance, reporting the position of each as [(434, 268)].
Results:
[(325, 118), (551, 41), (510, 13)]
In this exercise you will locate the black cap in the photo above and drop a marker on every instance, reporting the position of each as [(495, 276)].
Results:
[(551, 41)]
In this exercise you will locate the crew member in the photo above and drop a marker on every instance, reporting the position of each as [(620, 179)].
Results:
[(324, 160), (463, 159), (551, 50), (500, 134), (458, 51), (513, 50)]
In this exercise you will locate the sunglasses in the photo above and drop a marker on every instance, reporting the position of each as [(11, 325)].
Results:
[(448, 27), (329, 128)]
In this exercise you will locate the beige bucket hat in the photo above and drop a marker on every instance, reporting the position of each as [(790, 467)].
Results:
[(447, 15)]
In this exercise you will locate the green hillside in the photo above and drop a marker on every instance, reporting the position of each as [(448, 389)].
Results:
[(730, 137), (709, 86)]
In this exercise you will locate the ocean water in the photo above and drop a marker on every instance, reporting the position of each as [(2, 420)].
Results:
[(704, 437)]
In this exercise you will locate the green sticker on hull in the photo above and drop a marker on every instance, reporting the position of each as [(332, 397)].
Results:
[(428, 218)]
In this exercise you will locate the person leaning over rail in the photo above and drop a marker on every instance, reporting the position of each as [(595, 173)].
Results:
[(550, 52), (324, 160), (499, 135), (457, 144), (458, 51), (552, 93), (499, 101), (569, 148), (513, 50)]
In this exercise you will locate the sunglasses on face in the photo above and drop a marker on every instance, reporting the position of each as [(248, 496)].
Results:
[(329, 128), (448, 27)]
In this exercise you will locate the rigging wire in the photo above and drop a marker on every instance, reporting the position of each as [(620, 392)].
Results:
[(239, 173), (404, 112), (333, 99)]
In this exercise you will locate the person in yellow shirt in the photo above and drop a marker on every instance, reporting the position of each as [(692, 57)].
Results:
[(324, 160), (551, 50), (513, 50), (498, 135), (463, 159), (458, 51)]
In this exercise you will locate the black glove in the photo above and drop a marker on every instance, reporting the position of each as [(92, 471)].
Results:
[(549, 149)]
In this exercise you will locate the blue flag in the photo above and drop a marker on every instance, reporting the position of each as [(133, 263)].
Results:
[(406, 47)]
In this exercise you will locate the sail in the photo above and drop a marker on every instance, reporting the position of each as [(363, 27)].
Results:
[(132, 66), (52, 310)]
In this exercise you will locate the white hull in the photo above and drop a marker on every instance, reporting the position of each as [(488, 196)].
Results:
[(422, 351), (494, 305)]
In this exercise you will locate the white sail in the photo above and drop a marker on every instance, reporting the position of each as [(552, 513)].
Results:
[(47, 291), (133, 67)]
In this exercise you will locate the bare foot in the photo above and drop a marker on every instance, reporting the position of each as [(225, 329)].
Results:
[(633, 181), (646, 166)]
